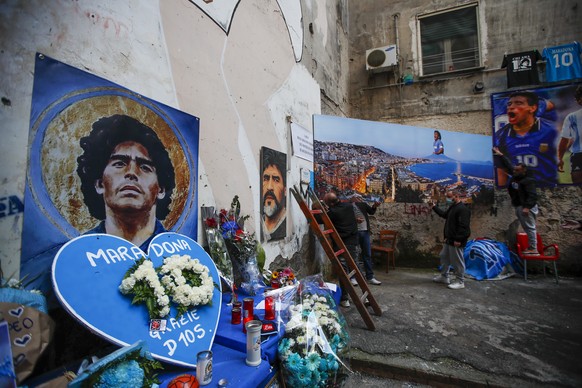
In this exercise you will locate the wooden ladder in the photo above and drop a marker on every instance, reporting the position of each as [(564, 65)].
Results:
[(330, 233)]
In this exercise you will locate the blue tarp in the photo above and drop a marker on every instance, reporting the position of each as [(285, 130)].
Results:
[(487, 259)]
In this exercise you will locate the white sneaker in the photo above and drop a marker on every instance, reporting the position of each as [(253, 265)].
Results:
[(374, 281), (354, 282), (345, 303), (441, 279), (456, 285)]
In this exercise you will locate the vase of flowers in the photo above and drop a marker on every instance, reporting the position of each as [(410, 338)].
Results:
[(243, 249), (315, 339)]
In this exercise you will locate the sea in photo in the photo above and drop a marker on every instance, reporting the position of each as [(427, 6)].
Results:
[(472, 174)]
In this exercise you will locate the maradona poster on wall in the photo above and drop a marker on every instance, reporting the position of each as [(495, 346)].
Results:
[(542, 128), (102, 159)]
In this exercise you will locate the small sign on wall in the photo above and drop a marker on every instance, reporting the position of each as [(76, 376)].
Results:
[(302, 141)]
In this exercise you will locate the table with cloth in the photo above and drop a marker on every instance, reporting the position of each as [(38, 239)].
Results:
[(229, 349), (229, 352)]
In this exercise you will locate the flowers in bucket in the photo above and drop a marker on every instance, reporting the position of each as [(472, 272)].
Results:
[(244, 251), (184, 281), (315, 338)]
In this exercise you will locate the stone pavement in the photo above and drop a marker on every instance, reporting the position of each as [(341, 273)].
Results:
[(503, 333)]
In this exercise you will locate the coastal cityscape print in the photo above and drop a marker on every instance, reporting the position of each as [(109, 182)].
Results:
[(384, 162)]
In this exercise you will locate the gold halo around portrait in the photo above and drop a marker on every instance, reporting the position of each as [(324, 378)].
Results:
[(60, 149)]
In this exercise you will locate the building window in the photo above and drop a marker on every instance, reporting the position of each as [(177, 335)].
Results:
[(449, 40)]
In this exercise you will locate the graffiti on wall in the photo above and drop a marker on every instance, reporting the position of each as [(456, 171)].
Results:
[(416, 210), (10, 206), (222, 13)]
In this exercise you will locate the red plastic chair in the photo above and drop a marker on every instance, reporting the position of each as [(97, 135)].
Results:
[(547, 253)]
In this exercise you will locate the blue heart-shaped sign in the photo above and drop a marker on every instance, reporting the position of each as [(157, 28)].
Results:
[(87, 272)]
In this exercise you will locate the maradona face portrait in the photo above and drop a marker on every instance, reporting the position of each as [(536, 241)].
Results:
[(61, 148)]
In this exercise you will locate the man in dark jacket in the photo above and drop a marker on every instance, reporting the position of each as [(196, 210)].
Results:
[(457, 231), (343, 219), (522, 191)]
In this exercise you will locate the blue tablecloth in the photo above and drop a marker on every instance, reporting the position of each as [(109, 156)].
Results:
[(232, 336), (227, 364)]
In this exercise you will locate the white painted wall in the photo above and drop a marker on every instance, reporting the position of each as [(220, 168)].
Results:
[(244, 87)]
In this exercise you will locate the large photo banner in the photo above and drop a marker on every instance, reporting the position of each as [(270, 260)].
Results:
[(399, 163), (102, 159), (541, 128)]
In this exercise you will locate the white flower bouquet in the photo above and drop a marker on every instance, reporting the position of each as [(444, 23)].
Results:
[(180, 279), (187, 281), (315, 338)]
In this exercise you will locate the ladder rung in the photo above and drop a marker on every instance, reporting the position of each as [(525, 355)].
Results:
[(339, 252), (316, 211), (327, 231), (351, 274), (364, 297)]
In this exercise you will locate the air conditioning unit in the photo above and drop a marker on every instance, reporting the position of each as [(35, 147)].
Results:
[(381, 58)]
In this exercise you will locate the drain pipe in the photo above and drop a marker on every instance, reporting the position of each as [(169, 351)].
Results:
[(396, 17)]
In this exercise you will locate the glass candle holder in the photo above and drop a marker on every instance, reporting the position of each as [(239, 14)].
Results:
[(269, 308), (248, 307), (236, 317), (204, 367)]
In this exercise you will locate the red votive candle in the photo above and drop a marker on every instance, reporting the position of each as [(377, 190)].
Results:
[(269, 308), (236, 316), (248, 313), (248, 304)]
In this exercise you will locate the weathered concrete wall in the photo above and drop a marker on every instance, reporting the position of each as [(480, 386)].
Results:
[(448, 101), (505, 27), (245, 86)]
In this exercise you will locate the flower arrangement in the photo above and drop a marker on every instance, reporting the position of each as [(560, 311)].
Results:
[(187, 281), (15, 291), (315, 336), (184, 279), (216, 244), (130, 366), (143, 282), (245, 253), (282, 278)]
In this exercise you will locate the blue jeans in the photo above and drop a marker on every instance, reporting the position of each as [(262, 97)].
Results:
[(366, 248)]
